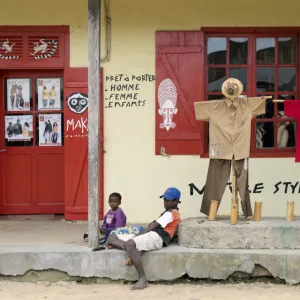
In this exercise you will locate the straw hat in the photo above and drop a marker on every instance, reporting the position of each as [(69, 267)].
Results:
[(232, 88)]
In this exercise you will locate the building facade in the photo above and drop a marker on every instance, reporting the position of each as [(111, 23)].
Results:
[(159, 58)]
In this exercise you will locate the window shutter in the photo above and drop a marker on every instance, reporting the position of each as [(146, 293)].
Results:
[(179, 83)]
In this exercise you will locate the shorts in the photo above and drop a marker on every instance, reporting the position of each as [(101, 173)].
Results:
[(149, 241)]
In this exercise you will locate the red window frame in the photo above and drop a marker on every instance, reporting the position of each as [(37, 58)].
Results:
[(252, 34)]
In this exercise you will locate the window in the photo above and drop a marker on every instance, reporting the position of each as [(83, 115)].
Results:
[(33, 111), (266, 65)]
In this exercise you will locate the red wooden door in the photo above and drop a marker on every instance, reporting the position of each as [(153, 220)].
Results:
[(76, 145), (31, 163)]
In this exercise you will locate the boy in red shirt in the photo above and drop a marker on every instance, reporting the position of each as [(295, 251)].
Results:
[(158, 234)]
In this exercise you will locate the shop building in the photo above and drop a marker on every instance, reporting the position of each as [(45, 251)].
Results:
[(159, 58)]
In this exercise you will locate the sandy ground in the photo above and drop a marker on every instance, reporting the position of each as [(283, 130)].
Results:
[(66, 291)]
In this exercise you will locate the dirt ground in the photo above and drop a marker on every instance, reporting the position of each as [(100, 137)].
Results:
[(66, 291)]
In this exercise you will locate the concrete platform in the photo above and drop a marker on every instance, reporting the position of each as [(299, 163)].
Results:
[(167, 264), (54, 250), (269, 233)]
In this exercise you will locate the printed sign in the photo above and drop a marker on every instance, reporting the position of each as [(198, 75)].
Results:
[(49, 93), (18, 128), (50, 130), (18, 94)]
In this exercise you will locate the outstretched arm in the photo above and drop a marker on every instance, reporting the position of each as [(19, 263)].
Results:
[(154, 225)]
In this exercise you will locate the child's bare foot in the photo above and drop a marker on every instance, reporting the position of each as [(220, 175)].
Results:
[(141, 284), (110, 247), (128, 262)]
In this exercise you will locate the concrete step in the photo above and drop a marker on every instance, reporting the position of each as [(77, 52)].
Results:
[(168, 264), (269, 233)]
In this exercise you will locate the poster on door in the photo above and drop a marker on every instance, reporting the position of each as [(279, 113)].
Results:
[(50, 130), (49, 93), (18, 94), (18, 128)]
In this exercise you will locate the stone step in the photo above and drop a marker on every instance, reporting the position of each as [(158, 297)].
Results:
[(166, 264), (269, 233)]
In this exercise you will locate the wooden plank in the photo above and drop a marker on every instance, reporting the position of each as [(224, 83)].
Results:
[(94, 13), (179, 49)]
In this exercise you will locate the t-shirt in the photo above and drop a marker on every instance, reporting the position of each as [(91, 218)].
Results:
[(292, 109), (52, 94), (168, 222), (17, 129), (113, 220), (45, 94)]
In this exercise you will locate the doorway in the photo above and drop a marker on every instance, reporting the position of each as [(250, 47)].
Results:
[(31, 142)]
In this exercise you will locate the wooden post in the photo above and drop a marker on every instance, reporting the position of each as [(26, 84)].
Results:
[(234, 203), (94, 15), (290, 211), (213, 210), (257, 211)]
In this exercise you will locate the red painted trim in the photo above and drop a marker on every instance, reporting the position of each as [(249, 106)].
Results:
[(35, 29), (27, 62), (235, 30), (67, 49)]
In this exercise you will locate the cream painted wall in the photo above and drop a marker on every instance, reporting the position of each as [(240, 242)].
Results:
[(131, 167)]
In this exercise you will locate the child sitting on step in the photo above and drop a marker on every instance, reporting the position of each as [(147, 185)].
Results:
[(113, 219), (158, 234)]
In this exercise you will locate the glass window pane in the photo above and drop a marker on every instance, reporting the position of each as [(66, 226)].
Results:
[(265, 51), (18, 96), (18, 130), (49, 129), (215, 97), (265, 79), (49, 93), (280, 105), (216, 77), (287, 50), (269, 109), (240, 74), (264, 135), (216, 51), (287, 79), (238, 51), (286, 134)]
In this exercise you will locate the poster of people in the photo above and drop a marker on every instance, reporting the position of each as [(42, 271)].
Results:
[(48, 90), (50, 130), (18, 94), (18, 128)]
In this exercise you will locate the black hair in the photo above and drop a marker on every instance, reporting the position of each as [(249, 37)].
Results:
[(116, 195)]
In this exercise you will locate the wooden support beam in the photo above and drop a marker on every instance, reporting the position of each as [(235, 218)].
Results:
[(94, 14), (234, 203), (213, 210), (290, 211), (257, 211)]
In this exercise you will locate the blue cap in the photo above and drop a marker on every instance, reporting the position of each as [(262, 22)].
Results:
[(171, 194)]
